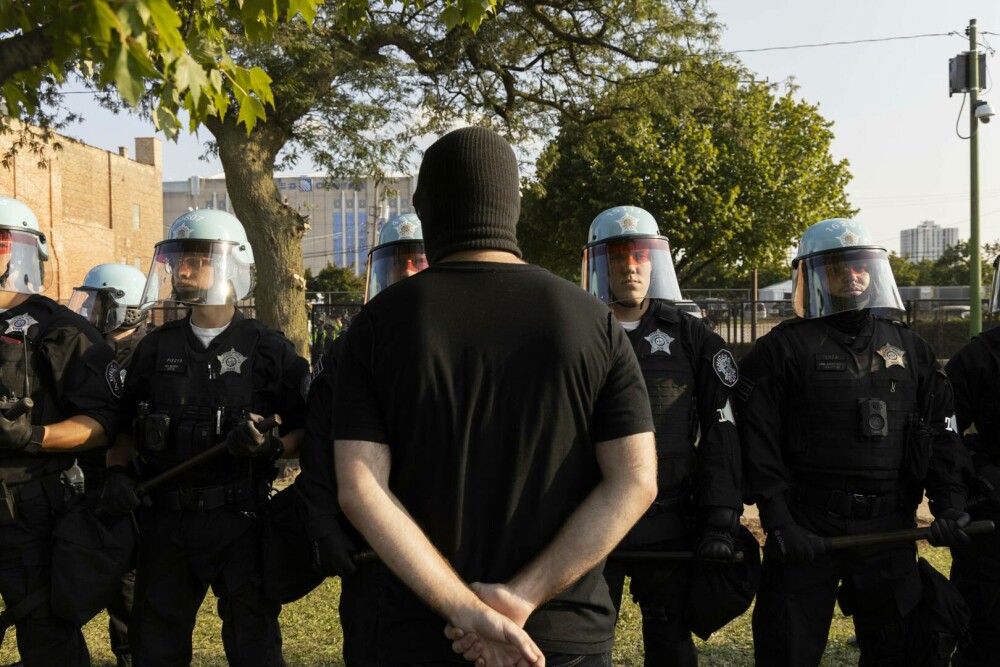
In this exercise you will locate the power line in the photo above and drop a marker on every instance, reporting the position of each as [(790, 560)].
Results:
[(848, 42)]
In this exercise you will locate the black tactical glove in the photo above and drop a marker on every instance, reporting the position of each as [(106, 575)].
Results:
[(245, 440), (795, 544), (332, 554), (716, 541), (18, 433), (989, 482), (946, 528), (119, 496)]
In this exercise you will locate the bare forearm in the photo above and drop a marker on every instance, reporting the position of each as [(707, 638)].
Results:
[(400, 543), (79, 432), (593, 529)]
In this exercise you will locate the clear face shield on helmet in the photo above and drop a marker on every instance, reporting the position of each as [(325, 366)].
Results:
[(21, 268), (391, 263), (627, 270), (838, 281), (101, 306), (995, 296), (198, 273)]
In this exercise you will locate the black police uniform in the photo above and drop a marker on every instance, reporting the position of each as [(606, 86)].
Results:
[(201, 528), (317, 484), (974, 373), (844, 420), (93, 464), (61, 361), (689, 377)]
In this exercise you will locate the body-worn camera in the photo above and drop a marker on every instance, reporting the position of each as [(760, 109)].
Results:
[(156, 432), (874, 418)]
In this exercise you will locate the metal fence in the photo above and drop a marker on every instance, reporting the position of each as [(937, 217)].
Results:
[(943, 323)]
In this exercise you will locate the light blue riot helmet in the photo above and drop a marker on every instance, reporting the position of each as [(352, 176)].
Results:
[(112, 297), (206, 260), (627, 260), (23, 249), (398, 255), (838, 268)]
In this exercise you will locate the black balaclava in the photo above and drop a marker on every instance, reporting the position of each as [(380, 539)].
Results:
[(468, 194)]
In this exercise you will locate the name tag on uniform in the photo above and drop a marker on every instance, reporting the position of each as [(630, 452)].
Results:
[(171, 365), (831, 362)]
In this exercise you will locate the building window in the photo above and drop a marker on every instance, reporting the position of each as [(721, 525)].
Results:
[(135, 216), (137, 263)]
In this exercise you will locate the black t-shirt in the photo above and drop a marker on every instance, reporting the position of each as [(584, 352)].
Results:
[(491, 383), (76, 375)]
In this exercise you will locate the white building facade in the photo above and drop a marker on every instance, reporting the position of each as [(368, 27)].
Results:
[(926, 241), (345, 215)]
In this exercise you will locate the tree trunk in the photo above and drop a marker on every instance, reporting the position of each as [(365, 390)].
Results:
[(275, 230)]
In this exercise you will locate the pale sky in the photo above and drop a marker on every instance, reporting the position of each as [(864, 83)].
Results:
[(893, 119)]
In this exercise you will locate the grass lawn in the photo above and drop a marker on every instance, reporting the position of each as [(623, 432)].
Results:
[(312, 635)]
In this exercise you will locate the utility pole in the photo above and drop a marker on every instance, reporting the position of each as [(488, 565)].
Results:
[(975, 270)]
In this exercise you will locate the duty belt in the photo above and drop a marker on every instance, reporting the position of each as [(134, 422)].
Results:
[(50, 485), (205, 498), (846, 505)]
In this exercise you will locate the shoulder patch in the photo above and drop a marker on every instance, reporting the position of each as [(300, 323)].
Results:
[(725, 367), (113, 374), (744, 387)]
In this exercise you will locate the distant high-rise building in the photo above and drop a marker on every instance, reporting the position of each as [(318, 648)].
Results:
[(344, 214), (926, 241)]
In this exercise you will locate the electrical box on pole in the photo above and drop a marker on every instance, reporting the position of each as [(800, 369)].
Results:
[(958, 73)]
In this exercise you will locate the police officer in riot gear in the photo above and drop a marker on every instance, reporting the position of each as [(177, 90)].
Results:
[(112, 298), (58, 360), (845, 420), (689, 375), (399, 254), (974, 372), (206, 379)]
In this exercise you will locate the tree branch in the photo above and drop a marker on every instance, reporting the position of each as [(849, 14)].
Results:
[(24, 52)]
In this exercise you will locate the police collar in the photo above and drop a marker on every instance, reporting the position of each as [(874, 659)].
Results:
[(662, 310)]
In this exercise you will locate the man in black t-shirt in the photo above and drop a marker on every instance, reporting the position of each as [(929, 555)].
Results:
[(504, 411)]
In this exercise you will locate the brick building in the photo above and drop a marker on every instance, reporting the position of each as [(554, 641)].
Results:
[(94, 206)]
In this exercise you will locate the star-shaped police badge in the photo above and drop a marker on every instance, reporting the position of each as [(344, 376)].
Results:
[(893, 355), (20, 324), (405, 229), (659, 341), (231, 361), (183, 232), (848, 238), (628, 223)]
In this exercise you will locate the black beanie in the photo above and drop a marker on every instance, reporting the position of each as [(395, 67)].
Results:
[(468, 195)]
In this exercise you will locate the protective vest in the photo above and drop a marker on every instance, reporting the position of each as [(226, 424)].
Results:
[(988, 417), (196, 398), (667, 365), (851, 403), (20, 337)]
